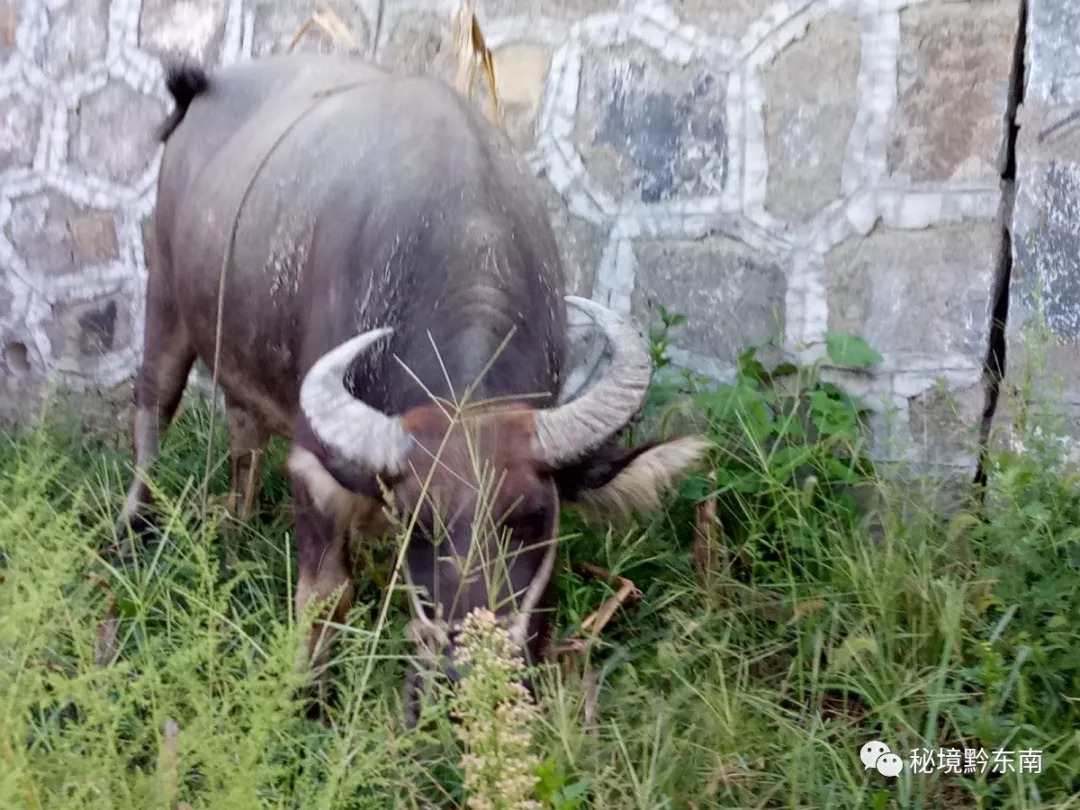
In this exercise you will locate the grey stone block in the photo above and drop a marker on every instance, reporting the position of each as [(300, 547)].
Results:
[(88, 329), (94, 236), (731, 295), (1046, 245), (1044, 296), (731, 18), (105, 414), (945, 424), (420, 44), (916, 294), (20, 126), (954, 58), (78, 34), (810, 97), (1053, 52), (189, 27), (652, 130), (55, 236), (113, 133)]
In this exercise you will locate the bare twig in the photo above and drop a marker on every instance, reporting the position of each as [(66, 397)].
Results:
[(465, 74), (596, 621), (303, 29), (593, 624)]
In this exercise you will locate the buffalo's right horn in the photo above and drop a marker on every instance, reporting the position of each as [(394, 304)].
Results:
[(345, 424), (568, 432)]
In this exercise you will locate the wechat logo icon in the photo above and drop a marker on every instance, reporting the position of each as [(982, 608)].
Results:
[(876, 754)]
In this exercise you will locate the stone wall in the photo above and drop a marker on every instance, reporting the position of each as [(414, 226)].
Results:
[(1044, 220), (773, 169)]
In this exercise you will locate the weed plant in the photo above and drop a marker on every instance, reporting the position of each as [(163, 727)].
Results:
[(836, 603)]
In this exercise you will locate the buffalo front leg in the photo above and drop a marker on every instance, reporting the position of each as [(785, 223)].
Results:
[(247, 445), (324, 577)]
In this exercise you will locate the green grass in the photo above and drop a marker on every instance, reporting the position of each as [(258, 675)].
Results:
[(826, 624)]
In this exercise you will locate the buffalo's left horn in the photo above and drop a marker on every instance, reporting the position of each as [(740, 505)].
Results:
[(566, 433), (345, 424)]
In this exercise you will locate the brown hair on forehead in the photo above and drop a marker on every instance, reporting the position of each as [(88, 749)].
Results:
[(494, 440)]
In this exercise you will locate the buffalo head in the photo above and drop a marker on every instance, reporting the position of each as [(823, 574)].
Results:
[(479, 487)]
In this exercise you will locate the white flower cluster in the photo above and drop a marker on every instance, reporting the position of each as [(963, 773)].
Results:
[(495, 712)]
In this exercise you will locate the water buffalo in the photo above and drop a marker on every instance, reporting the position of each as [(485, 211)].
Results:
[(384, 255)]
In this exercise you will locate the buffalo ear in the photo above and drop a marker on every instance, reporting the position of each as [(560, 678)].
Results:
[(352, 476), (327, 476), (614, 481)]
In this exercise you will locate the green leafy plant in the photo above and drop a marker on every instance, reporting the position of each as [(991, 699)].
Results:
[(842, 606), (781, 426)]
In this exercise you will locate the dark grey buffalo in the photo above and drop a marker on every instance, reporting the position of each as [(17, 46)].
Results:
[(394, 305)]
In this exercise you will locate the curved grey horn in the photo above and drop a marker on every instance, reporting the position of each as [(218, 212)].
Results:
[(567, 432), (342, 422)]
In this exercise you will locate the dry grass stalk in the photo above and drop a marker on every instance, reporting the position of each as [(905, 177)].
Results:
[(328, 20), (471, 49), (709, 554), (704, 553), (705, 547)]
